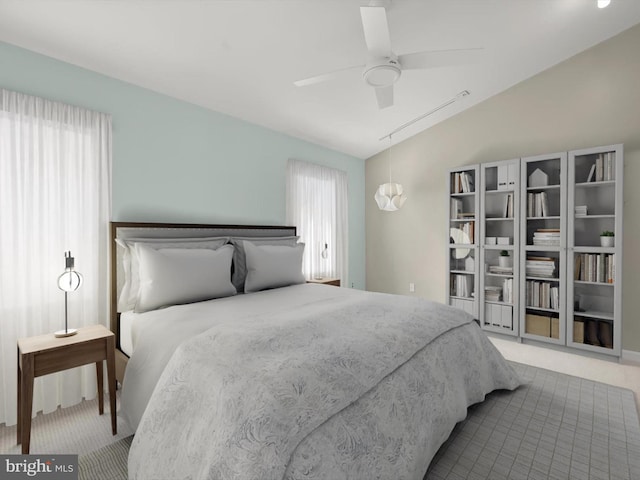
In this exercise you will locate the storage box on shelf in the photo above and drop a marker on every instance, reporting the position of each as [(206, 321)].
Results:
[(499, 236), (463, 238)]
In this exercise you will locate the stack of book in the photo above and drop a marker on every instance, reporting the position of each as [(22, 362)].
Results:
[(500, 270), (508, 206), (604, 169), (547, 237), (492, 294), (540, 267), (462, 286), (507, 290), (593, 267), (462, 183), (537, 205), (542, 295), (580, 210)]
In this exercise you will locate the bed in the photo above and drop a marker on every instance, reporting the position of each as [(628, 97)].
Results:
[(297, 381)]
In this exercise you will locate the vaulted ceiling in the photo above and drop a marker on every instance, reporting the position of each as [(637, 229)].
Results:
[(241, 57)]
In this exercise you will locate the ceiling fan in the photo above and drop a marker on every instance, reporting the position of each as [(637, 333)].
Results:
[(384, 67)]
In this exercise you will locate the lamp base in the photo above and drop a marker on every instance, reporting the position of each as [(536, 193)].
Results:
[(66, 333)]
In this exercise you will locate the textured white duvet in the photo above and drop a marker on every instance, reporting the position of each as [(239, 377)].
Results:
[(306, 381)]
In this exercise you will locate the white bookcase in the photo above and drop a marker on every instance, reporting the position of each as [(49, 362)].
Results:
[(462, 258), (594, 294), (543, 258), (560, 285), (499, 237)]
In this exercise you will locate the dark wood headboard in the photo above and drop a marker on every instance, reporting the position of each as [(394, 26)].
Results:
[(168, 230)]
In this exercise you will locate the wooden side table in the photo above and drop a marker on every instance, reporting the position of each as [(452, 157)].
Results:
[(47, 354), (325, 281)]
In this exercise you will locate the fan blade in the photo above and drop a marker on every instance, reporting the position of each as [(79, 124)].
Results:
[(384, 96), (439, 58), (376, 31), (325, 76)]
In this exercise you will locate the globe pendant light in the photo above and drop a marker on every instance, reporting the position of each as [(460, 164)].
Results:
[(390, 196)]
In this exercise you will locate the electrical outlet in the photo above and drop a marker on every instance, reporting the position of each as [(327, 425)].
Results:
[(412, 287)]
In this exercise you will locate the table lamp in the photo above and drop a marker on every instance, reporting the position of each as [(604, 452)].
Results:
[(68, 281)]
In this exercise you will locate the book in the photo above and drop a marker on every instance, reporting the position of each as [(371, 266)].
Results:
[(591, 173)]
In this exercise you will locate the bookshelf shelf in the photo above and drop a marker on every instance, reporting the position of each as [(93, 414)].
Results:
[(604, 183), (542, 188), (594, 306), (463, 254), (542, 279), (469, 194), (598, 284), (540, 309), (499, 231)]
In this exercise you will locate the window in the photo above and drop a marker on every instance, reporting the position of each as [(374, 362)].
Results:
[(317, 206), (55, 184)]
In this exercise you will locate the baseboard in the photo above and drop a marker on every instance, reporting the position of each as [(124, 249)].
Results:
[(630, 356)]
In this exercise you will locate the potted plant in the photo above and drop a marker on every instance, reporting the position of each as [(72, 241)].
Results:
[(607, 239), (504, 260)]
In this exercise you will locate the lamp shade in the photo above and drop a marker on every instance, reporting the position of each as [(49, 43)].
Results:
[(390, 197)]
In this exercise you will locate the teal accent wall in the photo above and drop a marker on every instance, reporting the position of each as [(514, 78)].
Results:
[(177, 162)]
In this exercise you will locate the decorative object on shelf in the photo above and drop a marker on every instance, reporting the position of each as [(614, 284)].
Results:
[(538, 179), (390, 196), (68, 281), (459, 236), (504, 260), (607, 239)]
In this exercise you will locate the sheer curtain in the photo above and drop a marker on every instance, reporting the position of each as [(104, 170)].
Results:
[(55, 187), (317, 205)]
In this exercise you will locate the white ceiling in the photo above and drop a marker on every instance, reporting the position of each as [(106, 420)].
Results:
[(241, 57)]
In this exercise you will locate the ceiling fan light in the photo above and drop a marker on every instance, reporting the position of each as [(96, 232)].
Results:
[(603, 3), (382, 75)]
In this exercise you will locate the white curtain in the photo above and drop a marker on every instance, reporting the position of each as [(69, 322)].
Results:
[(55, 187), (317, 205)]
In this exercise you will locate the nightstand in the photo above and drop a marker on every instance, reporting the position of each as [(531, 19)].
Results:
[(325, 281), (47, 354)]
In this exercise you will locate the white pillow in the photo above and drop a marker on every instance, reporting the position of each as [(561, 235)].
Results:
[(239, 261), (129, 292), (172, 276), (272, 266)]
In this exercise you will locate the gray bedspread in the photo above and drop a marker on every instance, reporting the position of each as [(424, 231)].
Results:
[(343, 384)]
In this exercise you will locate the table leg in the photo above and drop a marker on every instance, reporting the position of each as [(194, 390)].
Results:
[(99, 375), (26, 405), (19, 427), (111, 376)]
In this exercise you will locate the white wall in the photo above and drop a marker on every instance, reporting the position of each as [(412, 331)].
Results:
[(591, 99)]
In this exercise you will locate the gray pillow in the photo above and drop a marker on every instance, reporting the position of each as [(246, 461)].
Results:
[(239, 262), (272, 266), (172, 276)]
